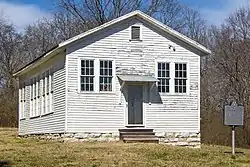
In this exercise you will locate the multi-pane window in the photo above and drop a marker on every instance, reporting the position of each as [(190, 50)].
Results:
[(163, 77), (38, 95), (135, 32), (22, 97), (43, 94), (34, 99), (52, 89), (105, 75), (180, 78), (47, 92), (87, 75), (31, 96)]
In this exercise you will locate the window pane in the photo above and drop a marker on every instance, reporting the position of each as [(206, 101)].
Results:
[(180, 66), (82, 87), (185, 74), (91, 71), (91, 63), (163, 77), (163, 89), (110, 72), (159, 66), (176, 89), (83, 71), (110, 64), (105, 71), (184, 66), (106, 64), (101, 64), (87, 71), (87, 87), (184, 89), (159, 73), (105, 80), (184, 82), (180, 89), (101, 71), (176, 74), (163, 74), (167, 66), (91, 87), (135, 32), (92, 80), (87, 75), (83, 63), (181, 77)]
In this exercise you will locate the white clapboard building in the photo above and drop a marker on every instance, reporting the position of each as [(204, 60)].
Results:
[(132, 77)]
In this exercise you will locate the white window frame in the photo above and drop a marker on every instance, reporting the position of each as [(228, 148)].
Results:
[(45, 95), (31, 97), (112, 77), (22, 100), (181, 78), (172, 62), (97, 75), (130, 32), (51, 91), (169, 78), (38, 95), (80, 74), (47, 92)]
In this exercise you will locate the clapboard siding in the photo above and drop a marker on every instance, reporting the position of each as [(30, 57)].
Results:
[(55, 122), (105, 112)]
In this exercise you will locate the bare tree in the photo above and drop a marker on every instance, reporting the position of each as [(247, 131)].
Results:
[(11, 58), (101, 11), (170, 12), (229, 74)]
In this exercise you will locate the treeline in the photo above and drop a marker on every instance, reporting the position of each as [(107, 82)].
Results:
[(225, 73)]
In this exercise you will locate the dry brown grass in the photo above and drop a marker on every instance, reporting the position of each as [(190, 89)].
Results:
[(31, 152)]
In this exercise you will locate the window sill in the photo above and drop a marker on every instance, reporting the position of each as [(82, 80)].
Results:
[(174, 94), (43, 115), (96, 93), (33, 117), (135, 40)]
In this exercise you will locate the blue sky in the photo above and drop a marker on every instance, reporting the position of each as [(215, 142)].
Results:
[(24, 12)]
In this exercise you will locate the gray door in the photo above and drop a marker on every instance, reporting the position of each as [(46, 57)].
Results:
[(135, 104)]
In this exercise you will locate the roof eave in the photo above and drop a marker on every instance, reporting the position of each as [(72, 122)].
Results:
[(47, 55)]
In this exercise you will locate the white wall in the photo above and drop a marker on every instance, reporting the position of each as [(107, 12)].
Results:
[(102, 112), (54, 122)]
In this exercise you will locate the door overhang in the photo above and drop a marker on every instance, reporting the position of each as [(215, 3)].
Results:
[(141, 79)]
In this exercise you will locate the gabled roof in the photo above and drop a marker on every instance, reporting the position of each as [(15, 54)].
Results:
[(137, 13)]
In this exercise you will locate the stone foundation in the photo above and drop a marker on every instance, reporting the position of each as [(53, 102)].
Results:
[(77, 137), (180, 139), (175, 139)]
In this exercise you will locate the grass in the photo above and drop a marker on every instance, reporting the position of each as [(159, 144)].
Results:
[(31, 152)]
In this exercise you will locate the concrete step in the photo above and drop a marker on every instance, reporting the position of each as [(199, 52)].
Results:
[(135, 130), (138, 136), (137, 133), (143, 140)]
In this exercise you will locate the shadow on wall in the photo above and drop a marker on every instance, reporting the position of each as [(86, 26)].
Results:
[(154, 97)]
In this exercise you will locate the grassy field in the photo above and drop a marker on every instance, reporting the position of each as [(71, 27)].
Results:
[(31, 152)]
